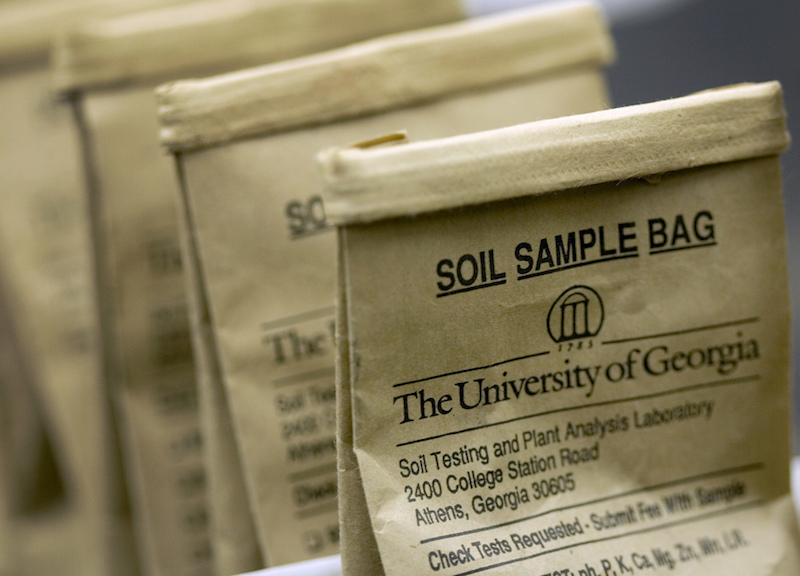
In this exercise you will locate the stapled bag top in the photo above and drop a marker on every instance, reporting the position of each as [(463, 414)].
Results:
[(720, 125), (383, 74), (157, 45)]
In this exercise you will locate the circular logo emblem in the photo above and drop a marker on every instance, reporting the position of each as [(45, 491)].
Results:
[(577, 313)]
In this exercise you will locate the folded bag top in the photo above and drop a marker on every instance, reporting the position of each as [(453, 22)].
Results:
[(197, 38), (715, 126), (391, 72)]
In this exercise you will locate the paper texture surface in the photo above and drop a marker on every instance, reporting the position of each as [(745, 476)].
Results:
[(582, 379), (268, 268), (46, 272)]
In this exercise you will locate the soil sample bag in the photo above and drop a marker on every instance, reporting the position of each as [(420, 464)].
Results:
[(68, 500), (569, 342), (109, 68), (45, 255), (263, 251)]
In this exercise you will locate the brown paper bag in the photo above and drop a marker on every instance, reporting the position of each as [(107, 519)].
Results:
[(110, 68), (568, 342), (68, 499), (265, 251), (45, 254)]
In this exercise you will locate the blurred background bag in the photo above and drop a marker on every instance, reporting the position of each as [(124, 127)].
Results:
[(109, 68), (67, 496)]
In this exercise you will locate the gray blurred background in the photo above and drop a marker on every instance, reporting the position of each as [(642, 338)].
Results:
[(700, 44)]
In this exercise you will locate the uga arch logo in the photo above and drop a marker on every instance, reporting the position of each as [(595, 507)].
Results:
[(577, 313)]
